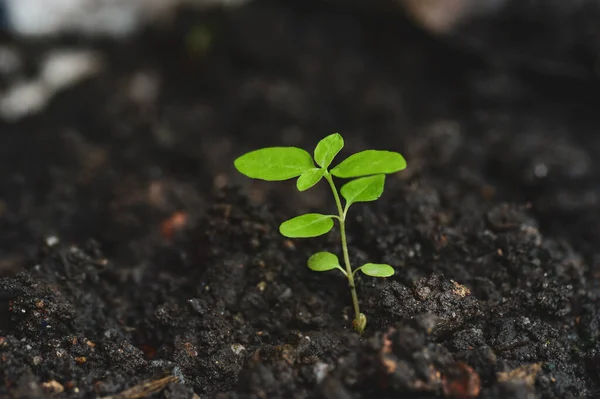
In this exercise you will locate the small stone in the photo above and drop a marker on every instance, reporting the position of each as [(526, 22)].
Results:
[(237, 348), (423, 293), (287, 293), (53, 386), (460, 289), (261, 286), (525, 374)]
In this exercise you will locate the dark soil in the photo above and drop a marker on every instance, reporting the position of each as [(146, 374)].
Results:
[(131, 250)]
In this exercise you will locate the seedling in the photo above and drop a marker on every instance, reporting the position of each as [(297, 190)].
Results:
[(367, 168)]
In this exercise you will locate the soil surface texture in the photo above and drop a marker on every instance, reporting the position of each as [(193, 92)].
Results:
[(136, 262)]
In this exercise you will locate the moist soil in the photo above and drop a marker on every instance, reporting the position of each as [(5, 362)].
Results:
[(136, 261)]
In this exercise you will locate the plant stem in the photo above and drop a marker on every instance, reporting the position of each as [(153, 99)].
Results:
[(359, 318)]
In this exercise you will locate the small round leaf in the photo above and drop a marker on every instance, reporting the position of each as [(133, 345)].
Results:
[(305, 226), (377, 270), (274, 163), (323, 261), (363, 189), (309, 178), (370, 162), (327, 149)]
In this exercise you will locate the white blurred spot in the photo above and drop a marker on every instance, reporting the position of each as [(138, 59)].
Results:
[(52, 241), (144, 88), (540, 170), (22, 99), (321, 370), (64, 68), (60, 69), (115, 18)]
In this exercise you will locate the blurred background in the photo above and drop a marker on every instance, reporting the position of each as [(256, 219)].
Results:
[(118, 115)]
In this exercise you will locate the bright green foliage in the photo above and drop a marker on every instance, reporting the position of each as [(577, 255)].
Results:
[(369, 167), (327, 149), (324, 261), (274, 163), (363, 189), (370, 162), (309, 178), (305, 226), (376, 270)]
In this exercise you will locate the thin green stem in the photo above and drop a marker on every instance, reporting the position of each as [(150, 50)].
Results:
[(346, 210), (358, 320), (355, 270)]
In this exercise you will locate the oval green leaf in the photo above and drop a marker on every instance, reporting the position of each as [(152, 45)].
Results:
[(377, 270), (305, 226), (274, 163), (309, 178), (363, 189), (323, 261), (370, 162), (327, 149)]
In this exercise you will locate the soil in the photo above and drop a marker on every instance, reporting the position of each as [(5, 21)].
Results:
[(136, 261)]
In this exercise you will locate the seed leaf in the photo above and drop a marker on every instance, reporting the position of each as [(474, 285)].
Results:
[(377, 270), (327, 149), (323, 261), (305, 226), (363, 189), (369, 162), (309, 178), (274, 163)]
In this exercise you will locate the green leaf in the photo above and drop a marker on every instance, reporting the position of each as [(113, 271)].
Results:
[(323, 261), (274, 163), (327, 149), (363, 189), (308, 225), (369, 162), (377, 270), (309, 178)]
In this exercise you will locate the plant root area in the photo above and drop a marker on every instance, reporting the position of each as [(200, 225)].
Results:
[(136, 262)]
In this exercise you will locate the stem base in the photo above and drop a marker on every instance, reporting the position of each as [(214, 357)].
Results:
[(360, 323)]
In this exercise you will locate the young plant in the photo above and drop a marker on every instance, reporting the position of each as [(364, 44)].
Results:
[(367, 168)]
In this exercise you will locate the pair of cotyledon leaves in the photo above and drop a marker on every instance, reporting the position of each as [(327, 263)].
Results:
[(283, 163), (324, 261)]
